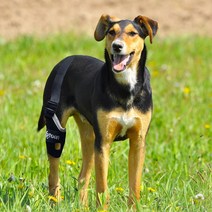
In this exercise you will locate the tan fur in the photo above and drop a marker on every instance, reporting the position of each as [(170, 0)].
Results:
[(131, 123), (87, 146), (110, 127)]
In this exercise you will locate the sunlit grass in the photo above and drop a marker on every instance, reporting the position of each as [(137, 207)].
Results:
[(177, 173)]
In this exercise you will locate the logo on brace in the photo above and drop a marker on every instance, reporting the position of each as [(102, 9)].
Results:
[(50, 135)]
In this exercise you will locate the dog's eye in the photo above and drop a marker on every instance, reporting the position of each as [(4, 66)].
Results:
[(112, 32), (132, 33)]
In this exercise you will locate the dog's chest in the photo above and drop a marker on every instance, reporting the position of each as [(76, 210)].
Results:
[(125, 119)]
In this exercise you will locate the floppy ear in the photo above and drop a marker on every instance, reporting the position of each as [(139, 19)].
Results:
[(148, 25), (103, 26)]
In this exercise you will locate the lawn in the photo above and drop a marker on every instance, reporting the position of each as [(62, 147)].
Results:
[(178, 167)]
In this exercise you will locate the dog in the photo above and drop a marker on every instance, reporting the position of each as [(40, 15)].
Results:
[(110, 101)]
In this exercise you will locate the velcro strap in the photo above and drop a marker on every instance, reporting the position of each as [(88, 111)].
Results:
[(50, 109)]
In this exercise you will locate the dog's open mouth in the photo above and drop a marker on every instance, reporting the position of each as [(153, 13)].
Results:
[(120, 62)]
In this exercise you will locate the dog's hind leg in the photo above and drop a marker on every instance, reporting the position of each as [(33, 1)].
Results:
[(54, 181), (87, 145), (55, 139)]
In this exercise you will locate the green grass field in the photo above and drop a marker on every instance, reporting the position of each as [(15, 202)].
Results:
[(178, 163)]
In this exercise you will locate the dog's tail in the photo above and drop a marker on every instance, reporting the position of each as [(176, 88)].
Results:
[(41, 121)]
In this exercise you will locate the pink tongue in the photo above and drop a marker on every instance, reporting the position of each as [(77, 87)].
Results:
[(120, 62)]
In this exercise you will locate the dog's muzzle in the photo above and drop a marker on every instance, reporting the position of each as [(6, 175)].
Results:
[(120, 58)]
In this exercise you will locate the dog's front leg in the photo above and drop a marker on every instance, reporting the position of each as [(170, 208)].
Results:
[(136, 160), (101, 169), (105, 133), (137, 136), (54, 181)]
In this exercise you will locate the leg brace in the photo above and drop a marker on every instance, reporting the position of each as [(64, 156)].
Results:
[(55, 136)]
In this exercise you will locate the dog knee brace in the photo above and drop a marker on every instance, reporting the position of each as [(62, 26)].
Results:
[(55, 136)]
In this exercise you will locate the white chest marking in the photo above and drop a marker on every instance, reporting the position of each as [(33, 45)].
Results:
[(126, 122), (127, 77)]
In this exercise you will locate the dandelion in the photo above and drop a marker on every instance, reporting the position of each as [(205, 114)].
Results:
[(31, 191), (22, 157), (142, 186), (151, 189), (21, 186), (52, 198), (2, 92), (70, 162), (186, 90), (155, 73), (207, 126), (119, 189), (178, 208)]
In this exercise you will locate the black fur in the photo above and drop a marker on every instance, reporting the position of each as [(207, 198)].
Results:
[(89, 84)]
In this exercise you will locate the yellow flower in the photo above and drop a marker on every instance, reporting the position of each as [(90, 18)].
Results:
[(2, 92), (70, 162), (151, 189), (31, 191), (142, 186), (186, 90), (21, 186), (207, 126), (22, 157), (155, 73), (52, 198), (119, 189), (178, 208)]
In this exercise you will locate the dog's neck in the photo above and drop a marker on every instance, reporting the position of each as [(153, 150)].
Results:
[(127, 77), (126, 85)]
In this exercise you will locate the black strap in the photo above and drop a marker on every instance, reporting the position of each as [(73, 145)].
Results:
[(52, 104)]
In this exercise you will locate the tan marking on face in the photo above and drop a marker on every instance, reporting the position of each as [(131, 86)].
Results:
[(132, 43), (110, 38)]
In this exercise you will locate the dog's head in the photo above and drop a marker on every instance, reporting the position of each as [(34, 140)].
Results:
[(125, 39)]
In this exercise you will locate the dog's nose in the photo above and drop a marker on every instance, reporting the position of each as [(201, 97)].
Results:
[(117, 47)]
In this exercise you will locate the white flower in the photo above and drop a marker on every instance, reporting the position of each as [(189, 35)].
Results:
[(199, 197), (28, 209)]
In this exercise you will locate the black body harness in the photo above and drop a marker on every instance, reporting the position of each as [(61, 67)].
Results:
[(55, 133)]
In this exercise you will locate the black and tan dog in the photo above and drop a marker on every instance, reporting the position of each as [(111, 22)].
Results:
[(109, 101)]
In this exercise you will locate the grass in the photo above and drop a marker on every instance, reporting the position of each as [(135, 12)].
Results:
[(179, 148)]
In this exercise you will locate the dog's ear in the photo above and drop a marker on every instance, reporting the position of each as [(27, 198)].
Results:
[(103, 25), (148, 26)]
